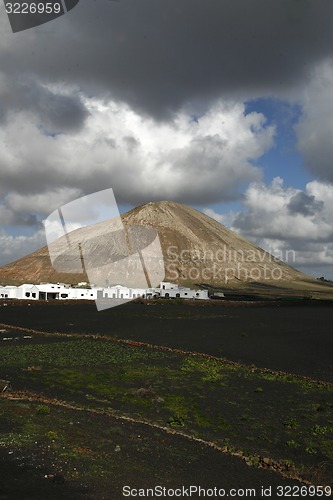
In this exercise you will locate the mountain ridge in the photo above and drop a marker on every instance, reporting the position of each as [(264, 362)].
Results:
[(196, 249)]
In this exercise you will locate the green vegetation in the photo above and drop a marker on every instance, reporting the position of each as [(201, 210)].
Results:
[(209, 369), (291, 423), (43, 410), (258, 389), (321, 429), (259, 413), (72, 353)]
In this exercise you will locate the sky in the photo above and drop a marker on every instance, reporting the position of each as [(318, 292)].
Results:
[(224, 105)]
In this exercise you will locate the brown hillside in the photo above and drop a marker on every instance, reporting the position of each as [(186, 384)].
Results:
[(196, 250)]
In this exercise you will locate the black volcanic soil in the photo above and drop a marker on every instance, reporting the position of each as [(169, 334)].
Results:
[(79, 446), (25, 481), (36, 473), (296, 339)]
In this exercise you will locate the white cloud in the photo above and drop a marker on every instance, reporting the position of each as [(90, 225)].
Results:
[(141, 159), (272, 213), (225, 219), (41, 202), (294, 225), (14, 247)]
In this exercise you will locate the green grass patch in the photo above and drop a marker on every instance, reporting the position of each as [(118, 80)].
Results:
[(266, 414)]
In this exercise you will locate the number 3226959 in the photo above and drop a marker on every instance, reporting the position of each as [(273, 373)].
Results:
[(33, 8)]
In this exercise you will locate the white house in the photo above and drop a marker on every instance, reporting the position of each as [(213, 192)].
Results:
[(169, 290), (8, 292), (122, 292), (27, 291)]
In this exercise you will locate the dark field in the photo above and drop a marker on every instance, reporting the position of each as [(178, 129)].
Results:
[(291, 338), (88, 415)]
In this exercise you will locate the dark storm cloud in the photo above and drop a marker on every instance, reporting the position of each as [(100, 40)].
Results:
[(62, 113), (160, 55), (10, 218), (314, 130), (55, 111), (304, 204)]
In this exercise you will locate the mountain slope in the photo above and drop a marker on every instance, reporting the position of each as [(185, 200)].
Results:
[(196, 249)]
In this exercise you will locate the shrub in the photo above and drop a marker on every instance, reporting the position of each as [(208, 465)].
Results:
[(43, 410)]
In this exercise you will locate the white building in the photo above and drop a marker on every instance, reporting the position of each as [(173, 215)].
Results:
[(173, 291), (122, 292), (47, 291), (60, 291), (8, 292)]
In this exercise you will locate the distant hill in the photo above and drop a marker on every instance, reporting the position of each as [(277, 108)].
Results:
[(197, 251)]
